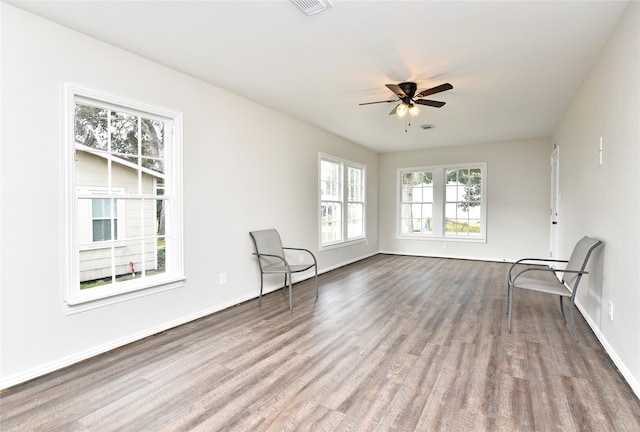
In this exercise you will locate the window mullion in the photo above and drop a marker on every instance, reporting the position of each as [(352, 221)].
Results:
[(439, 183)]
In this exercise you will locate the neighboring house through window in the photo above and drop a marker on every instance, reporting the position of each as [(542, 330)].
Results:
[(342, 201), (443, 202), (124, 167)]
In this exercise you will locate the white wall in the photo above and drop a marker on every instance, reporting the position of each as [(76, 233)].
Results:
[(604, 200), (225, 154), (517, 208)]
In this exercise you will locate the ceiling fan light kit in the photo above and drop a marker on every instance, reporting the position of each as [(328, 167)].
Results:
[(401, 110)]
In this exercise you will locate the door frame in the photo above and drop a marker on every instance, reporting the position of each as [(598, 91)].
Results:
[(554, 201)]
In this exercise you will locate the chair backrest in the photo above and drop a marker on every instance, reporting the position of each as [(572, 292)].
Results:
[(578, 260), (268, 242)]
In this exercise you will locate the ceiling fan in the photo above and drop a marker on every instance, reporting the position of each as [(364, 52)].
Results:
[(409, 100)]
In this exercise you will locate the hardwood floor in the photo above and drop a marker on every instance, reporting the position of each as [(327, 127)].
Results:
[(393, 343)]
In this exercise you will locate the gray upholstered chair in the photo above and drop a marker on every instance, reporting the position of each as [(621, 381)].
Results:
[(272, 260), (524, 277)]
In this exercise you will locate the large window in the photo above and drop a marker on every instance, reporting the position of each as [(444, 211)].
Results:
[(443, 202), (123, 191), (342, 204)]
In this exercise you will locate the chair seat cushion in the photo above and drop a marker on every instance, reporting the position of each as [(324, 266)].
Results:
[(544, 286), (280, 268)]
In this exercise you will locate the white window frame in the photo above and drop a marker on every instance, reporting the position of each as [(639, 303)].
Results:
[(78, 300), (343, 200), (439, 200)]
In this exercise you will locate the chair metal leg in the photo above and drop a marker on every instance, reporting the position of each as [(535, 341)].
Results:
[(316, 282), (562, 310), (290, 295), (573, 322), (508, 293), (261, 284), (510, 306)]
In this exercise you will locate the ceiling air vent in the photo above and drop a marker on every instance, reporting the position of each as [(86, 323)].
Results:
[(426, 126), (311, 7)]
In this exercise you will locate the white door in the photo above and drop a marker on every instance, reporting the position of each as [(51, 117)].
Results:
[(554, 202)]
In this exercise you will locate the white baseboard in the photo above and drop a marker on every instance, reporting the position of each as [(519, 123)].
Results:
[(626, 374), (470, 258), (346, 263)]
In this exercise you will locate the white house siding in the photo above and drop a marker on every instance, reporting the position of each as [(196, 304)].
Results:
[(95, 259)]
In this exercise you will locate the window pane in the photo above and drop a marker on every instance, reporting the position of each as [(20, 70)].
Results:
[(330, 181), (124, 133), (91, 170), (160, 209), (100, 208), (426, 219), (148, 218), (160, 257), (101, 230), (355, 228), (451, 192), (96, 268), (152, 138), (458, 221), (355, 179), (101, 215), (331, 222), (91, 127), (153, 144), (416, 194), (156, 165)]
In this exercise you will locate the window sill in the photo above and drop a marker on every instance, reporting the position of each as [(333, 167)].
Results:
[(342, 244), (443, 239), (83, 304)]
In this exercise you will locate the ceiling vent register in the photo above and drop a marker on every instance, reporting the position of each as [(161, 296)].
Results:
[(311, 7)]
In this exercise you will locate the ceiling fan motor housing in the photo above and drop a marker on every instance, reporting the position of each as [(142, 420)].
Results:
[(409, 88)]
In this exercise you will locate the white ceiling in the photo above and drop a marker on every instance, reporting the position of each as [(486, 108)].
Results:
[(514, 65)]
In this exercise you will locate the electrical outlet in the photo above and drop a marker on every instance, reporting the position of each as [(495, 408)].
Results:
[(610, 311), (223, 278)]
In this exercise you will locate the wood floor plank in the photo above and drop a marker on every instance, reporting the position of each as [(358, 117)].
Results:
[(394, 343)]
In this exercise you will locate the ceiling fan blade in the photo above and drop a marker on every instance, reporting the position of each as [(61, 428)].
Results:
[(397, 90), (434, 90), (369, 103), (393, 111), (432, 103)]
